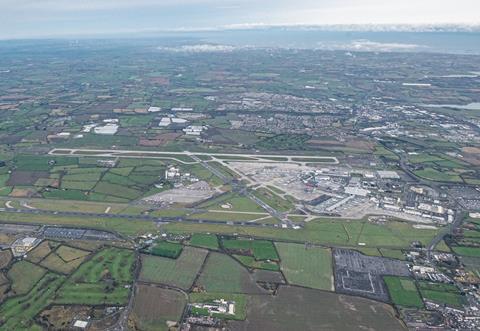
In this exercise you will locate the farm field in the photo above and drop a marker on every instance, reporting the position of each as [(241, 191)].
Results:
[(259, 249), (154, 306), (41, 251), (251, 262), (81, 178), (467, 251), (441, 293), (24, 276), (223, 274), (403, 291), (306, 266), (435, 175), (5, 258), (180, 272), (204, 240), (64, 259), (316, 310), (165, 249)]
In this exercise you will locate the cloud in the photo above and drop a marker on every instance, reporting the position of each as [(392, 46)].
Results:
[(203, 48), (20, 18), (363, 45)]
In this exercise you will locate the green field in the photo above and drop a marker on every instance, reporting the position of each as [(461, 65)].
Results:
[(124, 226), (101, 280), (235, 203), (18, 313), (392, 253), (165, 249), (273, 200), (310, 267), (250, 262), (225, 275), (403, 291), (204, 240), (467, 251), (24, 276), (328, 232), (441, 293), (64, 260), (260, 249), (180, 272), (435, 175)]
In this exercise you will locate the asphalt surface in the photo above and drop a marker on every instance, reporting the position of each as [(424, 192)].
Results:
[(436, 186), (136, 217)]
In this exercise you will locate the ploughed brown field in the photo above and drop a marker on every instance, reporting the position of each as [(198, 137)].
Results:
[(296, 308)]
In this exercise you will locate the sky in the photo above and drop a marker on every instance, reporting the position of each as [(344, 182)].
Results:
[(50, 18)]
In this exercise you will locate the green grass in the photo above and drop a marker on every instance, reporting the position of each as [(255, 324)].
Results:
[(24, 276), (239, 299), (435, 175), (310, 267), (467, 251), (222, 274), (442, 247), (118, 179), (237, 203), (403, 291), (65, 194), (382, 151), (90, 176), (117, 190), (180, 272), (204, 240), (101, 280), (260, 249), (371, 251), (121, 171), (392, 253), (441, 293), (273, 200), (165, 249), (41, 163), (18, 313), (423, 157), (81, 186), (324, 231), (250, 262), (124, 226), (284, 142)]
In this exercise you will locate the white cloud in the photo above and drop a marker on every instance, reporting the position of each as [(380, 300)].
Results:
[(204, 48), (371, 46), (50, 17)]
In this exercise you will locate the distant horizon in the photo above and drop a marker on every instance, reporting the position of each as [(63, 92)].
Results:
[(149, 32), (24, 19)]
